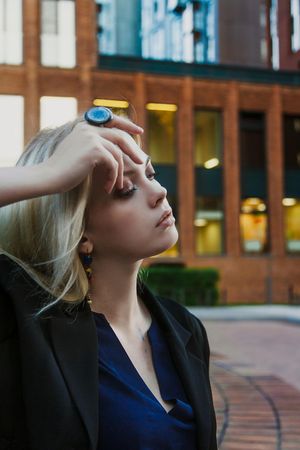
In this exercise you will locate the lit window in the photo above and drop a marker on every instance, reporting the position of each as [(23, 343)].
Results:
[(208, 139), (292, 224), (161, 147), (11, 43), (253, 216), (119, 107), (58, 39), (56, 111), (254, 225), (295, 22), (209, 223), (291, 200), (12, 142), (209, 216)]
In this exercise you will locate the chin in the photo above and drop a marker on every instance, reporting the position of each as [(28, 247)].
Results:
[(165, 243)]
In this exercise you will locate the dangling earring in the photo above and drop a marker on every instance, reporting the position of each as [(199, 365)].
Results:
[(87, 260)]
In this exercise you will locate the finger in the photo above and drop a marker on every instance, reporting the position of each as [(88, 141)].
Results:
[(118, 155), (111, 172), (124, 141), (124, 124)]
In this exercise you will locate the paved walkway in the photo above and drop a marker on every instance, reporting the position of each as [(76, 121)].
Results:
[(260, 312), (255, 374), (254, 412)]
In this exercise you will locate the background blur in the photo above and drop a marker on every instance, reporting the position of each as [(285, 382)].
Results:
[(215, 84)]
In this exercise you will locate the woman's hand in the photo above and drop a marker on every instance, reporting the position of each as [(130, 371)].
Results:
[(89, 146), (75, 157)]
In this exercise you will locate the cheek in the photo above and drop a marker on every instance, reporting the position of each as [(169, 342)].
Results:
[(116, 224)]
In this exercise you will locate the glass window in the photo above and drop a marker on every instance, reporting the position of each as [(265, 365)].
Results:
[(56, 111), (209, 222), (209, 216), (208, 139), (11, 28), (119, 26), (168, 30), (254, 225), (295, 25), (292, 224), (253, 217), (161, 146), (12, 143), (119, 107), (291, 200), (58, 35), (274, 33)]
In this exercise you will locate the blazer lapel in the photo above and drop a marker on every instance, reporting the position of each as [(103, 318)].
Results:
[(191, 369), (75, 345)]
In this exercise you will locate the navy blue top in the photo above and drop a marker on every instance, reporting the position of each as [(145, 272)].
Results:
[(130, 416)]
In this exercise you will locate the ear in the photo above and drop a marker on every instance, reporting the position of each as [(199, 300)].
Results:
[(85, 246)]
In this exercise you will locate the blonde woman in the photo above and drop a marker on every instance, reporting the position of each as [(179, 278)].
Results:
[(90, 359)]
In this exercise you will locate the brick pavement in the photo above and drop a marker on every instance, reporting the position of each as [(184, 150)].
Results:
[(254, 412)]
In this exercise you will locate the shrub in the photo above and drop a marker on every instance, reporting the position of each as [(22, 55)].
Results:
[(189, 286)]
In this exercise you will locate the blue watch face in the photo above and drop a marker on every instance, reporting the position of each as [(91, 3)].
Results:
[(98, 115)]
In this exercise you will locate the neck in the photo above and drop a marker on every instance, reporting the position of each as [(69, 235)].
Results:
[(114, 292)]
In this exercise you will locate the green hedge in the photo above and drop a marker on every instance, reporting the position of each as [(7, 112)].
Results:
[(189, 286)]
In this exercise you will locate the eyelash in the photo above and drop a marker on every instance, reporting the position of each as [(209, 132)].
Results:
[(130, 191)]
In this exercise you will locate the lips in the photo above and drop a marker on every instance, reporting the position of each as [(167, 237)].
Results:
[(165, 216)]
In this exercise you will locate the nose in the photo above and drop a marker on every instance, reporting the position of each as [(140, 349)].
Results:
[(158, 195)]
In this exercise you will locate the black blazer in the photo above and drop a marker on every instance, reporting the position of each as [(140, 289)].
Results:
[(49, 374)]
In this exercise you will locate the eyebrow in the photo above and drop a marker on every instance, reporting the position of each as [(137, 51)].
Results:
[(132, 171)]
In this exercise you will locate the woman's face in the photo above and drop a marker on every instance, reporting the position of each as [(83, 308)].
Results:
[(126, 223)]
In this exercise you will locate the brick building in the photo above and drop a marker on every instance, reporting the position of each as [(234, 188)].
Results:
[(225, 139)]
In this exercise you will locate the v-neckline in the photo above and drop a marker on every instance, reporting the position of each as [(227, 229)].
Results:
[(148, 332)]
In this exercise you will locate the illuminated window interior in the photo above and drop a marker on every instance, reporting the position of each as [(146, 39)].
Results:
[(208, 224), (292, 224), (12, 143), (55, 111), (161, 132), (254, 225), (119, 107), (208, 139), (161, 146)]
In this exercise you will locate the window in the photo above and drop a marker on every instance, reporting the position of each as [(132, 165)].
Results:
[(292, 224), (291, 200), (56, 111), (208, 223), (58, 37), (295, 25), (205, 30), (12, 143), (119, 107), (119, 26), (161, 147), (253, 217), (209, 216), (11, 42), (274, 33), (254, 226)]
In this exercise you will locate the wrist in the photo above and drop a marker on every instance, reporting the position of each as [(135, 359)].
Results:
[(46, 178)]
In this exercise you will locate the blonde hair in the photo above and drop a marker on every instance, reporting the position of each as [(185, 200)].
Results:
[(42, 234)]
